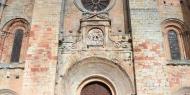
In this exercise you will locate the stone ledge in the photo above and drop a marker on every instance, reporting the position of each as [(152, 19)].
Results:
[(12, 66), (179, 62)]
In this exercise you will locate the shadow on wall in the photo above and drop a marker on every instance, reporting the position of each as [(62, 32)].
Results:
[(185, 6), (183, 91)]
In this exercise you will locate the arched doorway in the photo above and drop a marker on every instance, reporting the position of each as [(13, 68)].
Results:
[(96, 88), (90, 73)]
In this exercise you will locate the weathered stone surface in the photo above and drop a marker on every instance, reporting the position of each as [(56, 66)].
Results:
[(66, 47)]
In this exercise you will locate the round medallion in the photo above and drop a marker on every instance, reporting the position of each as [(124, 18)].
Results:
[(95, 37), (95, 5)]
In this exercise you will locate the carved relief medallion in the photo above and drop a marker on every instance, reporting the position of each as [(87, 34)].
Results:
[(95, 37)]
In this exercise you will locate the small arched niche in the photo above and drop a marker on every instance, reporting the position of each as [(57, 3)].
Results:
[(14, 41), (178, 28)]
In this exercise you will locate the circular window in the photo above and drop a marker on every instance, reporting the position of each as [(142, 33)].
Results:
[(96, 88), (95, 5)]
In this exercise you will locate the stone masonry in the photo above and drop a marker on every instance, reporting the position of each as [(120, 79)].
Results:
[(120, 45)]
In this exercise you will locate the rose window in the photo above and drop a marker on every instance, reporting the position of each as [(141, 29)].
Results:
[(95, 5)]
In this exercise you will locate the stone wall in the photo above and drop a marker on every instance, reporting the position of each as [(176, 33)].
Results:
[(12, 74), (40, 66), (80, 59), (154, 75), (148, 49), (17, 9), (144, 68), (177, 75)]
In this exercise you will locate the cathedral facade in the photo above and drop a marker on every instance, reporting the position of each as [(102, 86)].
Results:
[(94, 47)]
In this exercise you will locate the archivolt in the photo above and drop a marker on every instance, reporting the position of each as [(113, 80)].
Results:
[(7, 92), (16, 22), (175, 23), (99, 69)]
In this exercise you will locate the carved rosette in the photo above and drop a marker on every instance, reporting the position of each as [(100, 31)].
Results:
[(95, 37)]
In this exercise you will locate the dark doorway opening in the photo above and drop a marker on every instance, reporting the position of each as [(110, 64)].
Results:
[(96, 88)]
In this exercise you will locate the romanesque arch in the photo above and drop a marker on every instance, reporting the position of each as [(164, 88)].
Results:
[(7, 92), (9, 33), (96, 70), (182, 33)]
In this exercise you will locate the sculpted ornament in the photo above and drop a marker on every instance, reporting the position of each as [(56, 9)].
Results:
[(121, 41), (95, 37)]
